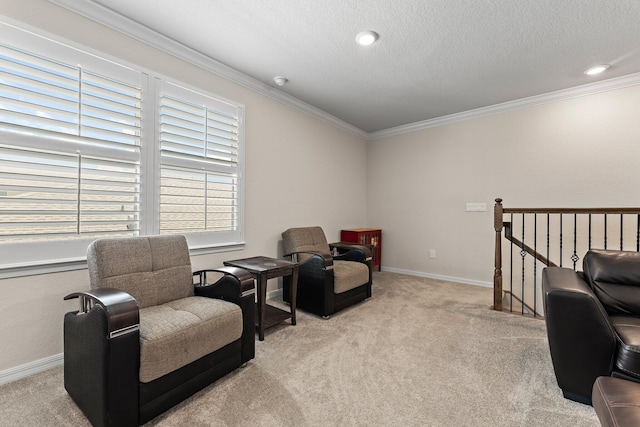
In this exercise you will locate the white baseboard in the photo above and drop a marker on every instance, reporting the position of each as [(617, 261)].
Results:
[(439, 277), (31, 368)]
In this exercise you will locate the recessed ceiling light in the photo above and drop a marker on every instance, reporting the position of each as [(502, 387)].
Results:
[(597, 69), (366, 38)]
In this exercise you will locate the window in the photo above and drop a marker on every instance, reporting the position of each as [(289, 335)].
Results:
[(199, 164), (80, 157)]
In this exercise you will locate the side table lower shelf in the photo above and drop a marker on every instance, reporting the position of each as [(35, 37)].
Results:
[(273, 316)]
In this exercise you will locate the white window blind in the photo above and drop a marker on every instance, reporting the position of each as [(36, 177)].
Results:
[(69, 152), (82, 157), (199, 166)]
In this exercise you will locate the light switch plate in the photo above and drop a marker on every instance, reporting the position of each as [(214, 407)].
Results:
[(476, 207)]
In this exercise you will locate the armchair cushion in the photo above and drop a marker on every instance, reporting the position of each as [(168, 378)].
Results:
[(152, 270), (306, 239), (179, 332), (614, 277), (348, 275)]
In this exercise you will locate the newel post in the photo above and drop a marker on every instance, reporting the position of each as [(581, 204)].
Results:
[(497, 274)]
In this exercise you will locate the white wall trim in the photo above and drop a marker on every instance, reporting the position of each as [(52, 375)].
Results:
[(560, 95), (122, 24), (439, 277), (31, 368)]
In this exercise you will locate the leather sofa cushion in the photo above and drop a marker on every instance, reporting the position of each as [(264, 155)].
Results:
[(179, 332), (628, 333), (614, 277), (616, 402), (348, 275)]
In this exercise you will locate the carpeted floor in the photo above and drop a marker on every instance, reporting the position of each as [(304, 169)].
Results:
[(421, 352)]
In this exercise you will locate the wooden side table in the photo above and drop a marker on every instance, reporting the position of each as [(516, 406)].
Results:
[(265, 268)]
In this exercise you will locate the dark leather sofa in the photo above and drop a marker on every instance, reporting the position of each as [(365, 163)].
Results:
[(593, 321), (617, 402)]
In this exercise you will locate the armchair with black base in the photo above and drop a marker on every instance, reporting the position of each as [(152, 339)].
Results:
[(326, 283), (145, 338)]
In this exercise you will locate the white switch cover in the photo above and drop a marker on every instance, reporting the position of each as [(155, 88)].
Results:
[(476, 207)]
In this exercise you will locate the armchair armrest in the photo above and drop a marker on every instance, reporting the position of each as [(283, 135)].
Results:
[(345, 247), (235, 284), (99, 364), (121, 309), (246, 280), (326, 257)]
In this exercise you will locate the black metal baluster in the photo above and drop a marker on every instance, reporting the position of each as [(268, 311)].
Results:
[(589, 231), (621, 231), (548, 235), (574, 257), (638, 234), (535, 264), (605, 231), (511, 269), (523, 253), (560, 240)]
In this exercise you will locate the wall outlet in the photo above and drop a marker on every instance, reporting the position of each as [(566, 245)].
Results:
[(432, 253)]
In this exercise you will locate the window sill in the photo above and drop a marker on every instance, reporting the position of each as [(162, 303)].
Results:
[(58, 266)]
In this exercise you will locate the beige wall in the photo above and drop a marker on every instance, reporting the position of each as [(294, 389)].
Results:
[(579, 152), (293, 162), (582, 152)]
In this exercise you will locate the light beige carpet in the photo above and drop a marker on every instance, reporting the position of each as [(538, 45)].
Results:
[(421, 352)]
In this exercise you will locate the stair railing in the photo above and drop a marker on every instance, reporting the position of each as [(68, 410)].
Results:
[(552, 237)]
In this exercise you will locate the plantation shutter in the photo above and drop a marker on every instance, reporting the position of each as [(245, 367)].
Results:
[(69, 149), (199, 170)]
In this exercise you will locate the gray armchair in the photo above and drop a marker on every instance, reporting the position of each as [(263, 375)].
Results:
[(326, 283), (145, 338)]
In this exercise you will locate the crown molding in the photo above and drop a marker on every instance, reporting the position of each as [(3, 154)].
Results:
[(131, 28), (560, 95)]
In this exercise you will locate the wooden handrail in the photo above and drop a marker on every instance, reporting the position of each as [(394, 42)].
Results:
[(500, 224), (595, 211), (508, 234)]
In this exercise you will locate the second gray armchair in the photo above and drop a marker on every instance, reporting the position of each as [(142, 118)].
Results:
[(326, 283)]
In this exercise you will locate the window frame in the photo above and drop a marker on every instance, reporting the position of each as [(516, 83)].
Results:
[(200, 240), (29, 258)]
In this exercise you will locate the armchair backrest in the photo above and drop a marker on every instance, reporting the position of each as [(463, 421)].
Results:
[(152, 269), (305, 239), (614, 277)]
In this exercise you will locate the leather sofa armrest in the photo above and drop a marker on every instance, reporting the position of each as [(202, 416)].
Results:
[(581, 337), (121, 309)]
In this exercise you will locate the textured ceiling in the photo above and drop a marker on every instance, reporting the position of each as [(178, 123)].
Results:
[(433, 57)]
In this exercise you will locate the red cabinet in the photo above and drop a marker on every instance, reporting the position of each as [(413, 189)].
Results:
[(367, 236)]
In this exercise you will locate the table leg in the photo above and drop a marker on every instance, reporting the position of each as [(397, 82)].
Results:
[(262, 298), (294, 292)]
